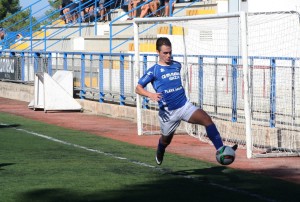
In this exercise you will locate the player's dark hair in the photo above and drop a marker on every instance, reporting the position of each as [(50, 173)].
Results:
[(162, 41)]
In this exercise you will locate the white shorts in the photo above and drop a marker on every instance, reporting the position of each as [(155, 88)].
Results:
[(170, 119)]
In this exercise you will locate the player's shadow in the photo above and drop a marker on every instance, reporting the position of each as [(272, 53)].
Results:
[(168, 189), (5, 164), (206, 174), (9, 125), (211, 170)]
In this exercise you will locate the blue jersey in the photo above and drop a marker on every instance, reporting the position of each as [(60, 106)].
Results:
[(167, 81)]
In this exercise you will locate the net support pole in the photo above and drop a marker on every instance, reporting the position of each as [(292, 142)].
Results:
[(137, 75), (243, 20)]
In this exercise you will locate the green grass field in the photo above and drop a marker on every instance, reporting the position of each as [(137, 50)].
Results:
[(41, 162)]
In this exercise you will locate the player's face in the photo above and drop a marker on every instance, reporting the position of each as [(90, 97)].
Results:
[(165, 54)]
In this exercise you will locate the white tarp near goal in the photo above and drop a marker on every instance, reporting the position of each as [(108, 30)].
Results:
[(54, 93)]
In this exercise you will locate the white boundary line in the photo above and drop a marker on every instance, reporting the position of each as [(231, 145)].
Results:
[(165, 171), (83, 147)]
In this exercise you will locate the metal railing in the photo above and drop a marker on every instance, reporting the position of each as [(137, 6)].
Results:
[(36, 33), (110, 77)]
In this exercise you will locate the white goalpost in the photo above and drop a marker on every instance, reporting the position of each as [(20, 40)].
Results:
[(241, 68)]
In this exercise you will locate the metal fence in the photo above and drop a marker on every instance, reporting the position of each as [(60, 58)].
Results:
[(215, 82)]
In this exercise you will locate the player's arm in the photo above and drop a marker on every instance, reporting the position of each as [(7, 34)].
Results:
[(142, 91)]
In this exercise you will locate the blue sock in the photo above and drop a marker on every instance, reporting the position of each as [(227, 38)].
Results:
[(214, 135), (160, 146)]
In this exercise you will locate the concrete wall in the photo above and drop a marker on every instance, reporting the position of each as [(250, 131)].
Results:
[(17, 91), (110, 110), (22, 92)]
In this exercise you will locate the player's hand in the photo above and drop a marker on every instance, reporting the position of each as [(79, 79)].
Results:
[(155, 96)]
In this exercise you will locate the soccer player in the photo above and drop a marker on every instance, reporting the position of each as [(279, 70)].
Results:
[(173, 104)]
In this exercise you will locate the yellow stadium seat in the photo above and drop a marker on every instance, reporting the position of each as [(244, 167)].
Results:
[(59, 22), (40, 34), (200, 12), (20, 46), (144, 47)]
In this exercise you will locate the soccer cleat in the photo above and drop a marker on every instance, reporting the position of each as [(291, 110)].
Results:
[(159, 157), (234, 147)]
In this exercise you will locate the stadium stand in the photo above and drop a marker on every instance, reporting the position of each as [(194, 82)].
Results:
[(101, 35)]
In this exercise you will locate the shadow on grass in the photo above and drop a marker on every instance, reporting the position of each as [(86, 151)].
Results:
[(9, 125), (175, 190), (5, 164), (207, 184), (208, 173)]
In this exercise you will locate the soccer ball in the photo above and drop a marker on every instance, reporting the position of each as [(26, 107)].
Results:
[(225, 155)]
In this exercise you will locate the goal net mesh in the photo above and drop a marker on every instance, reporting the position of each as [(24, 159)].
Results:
[(210, 51)]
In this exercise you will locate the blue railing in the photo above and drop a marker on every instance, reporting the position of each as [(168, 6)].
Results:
[(8, 40), (17, 13), (28, 31), (96, 78), (34, 28)]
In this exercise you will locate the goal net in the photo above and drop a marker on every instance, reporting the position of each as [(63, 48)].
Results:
[(241, 68)]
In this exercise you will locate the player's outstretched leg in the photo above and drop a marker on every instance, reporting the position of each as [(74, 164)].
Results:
[(201, 117), (214, 135)]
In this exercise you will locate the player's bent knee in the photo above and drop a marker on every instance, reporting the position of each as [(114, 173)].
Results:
[(200, 117)]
